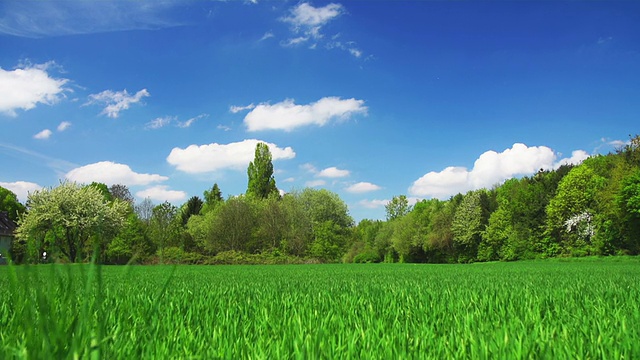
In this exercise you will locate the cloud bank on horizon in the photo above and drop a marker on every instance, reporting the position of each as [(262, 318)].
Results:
[(491, 168)]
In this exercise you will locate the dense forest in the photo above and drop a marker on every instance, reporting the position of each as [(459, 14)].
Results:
[(589, 209)]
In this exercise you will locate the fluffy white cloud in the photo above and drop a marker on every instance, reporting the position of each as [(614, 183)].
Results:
[(25, 87), (116, 101), (111, 173), (63, 126), (333, 172), (287, 115), (489, 169), (212, 157), (160, 122), (162, 193), (362, 187), (373, 204), (577, 157), (309, 20), (315, 183), (43, 135), (21, 188)]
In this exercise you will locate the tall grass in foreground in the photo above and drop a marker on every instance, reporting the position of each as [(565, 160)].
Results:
[(549, 309)]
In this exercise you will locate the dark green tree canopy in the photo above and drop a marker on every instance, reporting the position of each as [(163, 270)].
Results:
[(9, 203), (213, 196), (260, 173), (192, 207)]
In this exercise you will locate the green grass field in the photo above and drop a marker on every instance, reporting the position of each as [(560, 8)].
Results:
[(587, 309)]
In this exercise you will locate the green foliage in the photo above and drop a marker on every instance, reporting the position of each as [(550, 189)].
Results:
[(367, 257), (131, 243), (328, 241), (469, 222), (190, 208), (262, 184), (9, 203), (102, 189), (212, 198), (164, 227), (323, 205), (65, 219), (576, 195), (397, 207), (545, 309), (628, 201)]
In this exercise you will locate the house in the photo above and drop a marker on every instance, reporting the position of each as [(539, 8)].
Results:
[(7, 227)]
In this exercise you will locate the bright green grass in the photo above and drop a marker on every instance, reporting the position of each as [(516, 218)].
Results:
[(548, 309)]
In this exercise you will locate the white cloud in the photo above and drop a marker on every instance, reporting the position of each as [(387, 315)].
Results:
[(577, 157), (618, 143), (287, 115), (362, 187), (223, 127), (315, 183), (24, 88), (189, 122), (236, 109), (116, 101), (373, 204), (161, 193), (296, 41), (43, 135), (489, 169), (160, 122), (21, 188), (289, 180), (348, 46), (355, 52), (63, 126), (308, 20), (213, 157), (111, 173), (333, 172)]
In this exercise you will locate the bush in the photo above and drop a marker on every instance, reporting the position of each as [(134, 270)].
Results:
[(367, 257), (175, 255)]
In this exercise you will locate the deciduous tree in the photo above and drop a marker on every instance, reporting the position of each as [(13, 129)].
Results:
[(64, 218), (9, 203), (260, 173)]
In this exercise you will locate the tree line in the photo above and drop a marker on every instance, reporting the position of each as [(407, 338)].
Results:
[(589, 209)]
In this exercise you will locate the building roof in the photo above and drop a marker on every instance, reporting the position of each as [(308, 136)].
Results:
[(7, 226)]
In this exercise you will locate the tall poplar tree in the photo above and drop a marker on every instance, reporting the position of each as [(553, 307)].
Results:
[(260, 173)]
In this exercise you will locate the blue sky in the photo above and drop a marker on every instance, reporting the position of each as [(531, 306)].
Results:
[(366, 99)]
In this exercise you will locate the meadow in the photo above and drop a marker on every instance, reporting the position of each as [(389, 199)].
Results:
[(582, 308)]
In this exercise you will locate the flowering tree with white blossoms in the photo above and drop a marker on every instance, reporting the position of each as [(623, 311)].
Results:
[(582, 225)]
